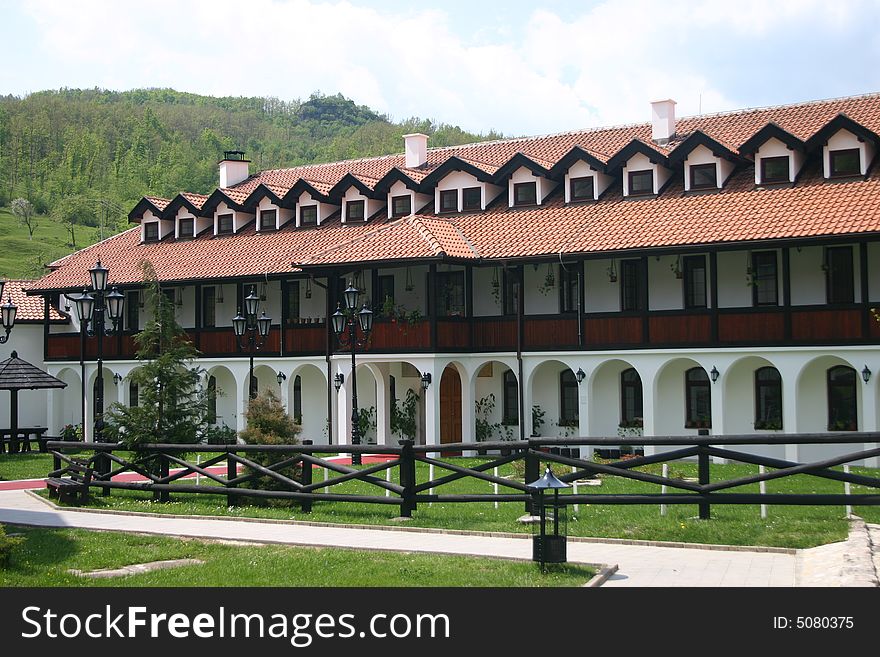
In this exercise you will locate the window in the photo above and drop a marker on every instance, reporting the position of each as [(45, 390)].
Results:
[(704, 176), (354, 211), (212, 400), (293, 300), (385, 291), (581, 189), (132, 310), (472, 198), (401, 206), (694, 281), (774, 169), (842, 404), (525, 193), (510, 300), (297, 400), (151, 231), (631, 413), (569, 295), (308, 215), (450, 293), (641, 182), (698, 399), (765, 286), (187, 228), (845, 162), (768, 398), (449, 200), (510, 398), (839, 274), (133, 394), (170, 296), (568, 399), (267, 219), (224, 224), (631, 285), (209, 307)]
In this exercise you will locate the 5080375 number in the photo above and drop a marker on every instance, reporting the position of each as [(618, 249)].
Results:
[(824, 622)]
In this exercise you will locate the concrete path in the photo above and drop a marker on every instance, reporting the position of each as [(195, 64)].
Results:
[(638, 565)]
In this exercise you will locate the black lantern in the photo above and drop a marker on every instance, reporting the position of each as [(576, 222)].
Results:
[(85, 304), (365, 317), (115, 303), (338, 320), (866, 374), (351, 295), (251, 303), (2, 285), (338, 380), (580, 375), (714, 374), (98, 274), (8, 312), (264, 324), (549, 535), (252, 326), (239, 324), (426, 380), (281, 377)]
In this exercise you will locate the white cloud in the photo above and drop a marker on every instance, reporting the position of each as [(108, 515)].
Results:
[(600, 67)]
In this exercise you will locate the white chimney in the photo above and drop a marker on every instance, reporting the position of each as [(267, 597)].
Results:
[(416, 146), (233, 168), (662, 120)]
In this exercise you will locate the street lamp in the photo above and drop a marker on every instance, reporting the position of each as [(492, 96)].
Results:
[(7, 315), (351, 318), (426, 380), (549, 539), (255, 328)]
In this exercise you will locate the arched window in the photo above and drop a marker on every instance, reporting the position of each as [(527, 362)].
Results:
[(133, 394), (842, 405), (768, 398), (212, 400), (568, 398), (631, 413), (297, 399), (510, 399), (698, 399)]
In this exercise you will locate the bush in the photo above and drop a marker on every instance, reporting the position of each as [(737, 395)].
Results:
[(220, 435), (6, 546), (269, 424)]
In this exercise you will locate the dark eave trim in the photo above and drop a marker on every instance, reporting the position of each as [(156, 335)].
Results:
[(350, 180), (455, 163), (576, 154), (840, 122), (302, 185), (635, 147), (516, 162), (142, 206), (216, 198), (396, 175), (769, 131), (699, 138)]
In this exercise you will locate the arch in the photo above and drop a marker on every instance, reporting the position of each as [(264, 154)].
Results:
[(669, 396), (812, 393), (312, 401), (368, 378), (67, 405), (605, 396), (227, 396), (451, 411), (560, 416), (739, 391), (488, 380), (266, 380)]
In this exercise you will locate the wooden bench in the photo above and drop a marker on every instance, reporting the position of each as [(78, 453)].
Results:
[(75, 484)]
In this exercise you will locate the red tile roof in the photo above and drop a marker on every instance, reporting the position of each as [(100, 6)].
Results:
[(30, 308), (738, 213)]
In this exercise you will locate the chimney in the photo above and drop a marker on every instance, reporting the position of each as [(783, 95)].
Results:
[(416, 146), (662, 121), (233, 168)]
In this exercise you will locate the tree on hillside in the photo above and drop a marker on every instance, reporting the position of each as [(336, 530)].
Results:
[(173, 407), (27, 216)]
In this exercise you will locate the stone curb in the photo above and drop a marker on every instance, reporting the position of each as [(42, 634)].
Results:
[(601, 577), (858, 562), (430, 530)]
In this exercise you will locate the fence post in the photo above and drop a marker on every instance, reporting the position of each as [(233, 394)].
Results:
[(703, 473), (407, 479), (846, 491), (164, 496), (533, 467), (231, 473), (306, 480), (664, 472), (56, 461)]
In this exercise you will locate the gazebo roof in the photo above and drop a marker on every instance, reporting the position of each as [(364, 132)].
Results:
[(18, 374)]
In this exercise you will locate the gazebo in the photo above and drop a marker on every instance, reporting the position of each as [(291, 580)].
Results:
[(17, 374)]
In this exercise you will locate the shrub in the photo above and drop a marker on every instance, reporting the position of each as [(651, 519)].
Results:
[(269, 424), (6, 546), (224, 435)]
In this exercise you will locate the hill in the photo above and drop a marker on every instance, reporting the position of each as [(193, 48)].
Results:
[(84, 157)]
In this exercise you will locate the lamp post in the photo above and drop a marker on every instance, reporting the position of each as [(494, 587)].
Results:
[(345, 325), (255, 328), (549, 542), (7, 314), (90, 307)]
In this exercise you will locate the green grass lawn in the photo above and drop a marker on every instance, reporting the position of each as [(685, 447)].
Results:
[(20, 254), (786, 526), (28, 465), (43, 557)]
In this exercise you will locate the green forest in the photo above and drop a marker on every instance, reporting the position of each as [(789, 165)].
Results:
[(84, 157)]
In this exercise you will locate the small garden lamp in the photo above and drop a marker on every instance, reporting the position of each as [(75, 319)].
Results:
[(426, 380), (549, 541), (866, 374), (117, 378), (580, 375), (338, 380), (714, 374), (281, 377)]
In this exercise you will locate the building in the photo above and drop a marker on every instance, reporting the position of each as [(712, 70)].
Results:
[(712, 272)]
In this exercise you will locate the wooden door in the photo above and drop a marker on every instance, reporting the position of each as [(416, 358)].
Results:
[(450, 408)]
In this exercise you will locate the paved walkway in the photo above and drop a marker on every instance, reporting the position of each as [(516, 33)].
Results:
[(638, 565)]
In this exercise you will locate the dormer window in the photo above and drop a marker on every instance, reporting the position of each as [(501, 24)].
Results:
[(581, 189), (846, 162), (224, 224), (354, 211), (187, 228), (641, 182), (704, 176), (525, 193), (449, 200), (774, 169), (268, 219), (309, 215), (401, 206), (471, 198), (151, 231)]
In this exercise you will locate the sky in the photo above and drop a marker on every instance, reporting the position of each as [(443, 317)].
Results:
[(516, 67)]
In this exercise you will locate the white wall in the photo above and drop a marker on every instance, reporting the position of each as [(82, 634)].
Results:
[(460, 180), (282, 215), (664, 289), (324, 209), (417, 202), (581, 169), (600, 294), (485, 301), (540, 299), (371, 206), (775, 148), (702, 155), (27, 341), (641, 162), (522, 175), (844, 139), (734, 290)]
